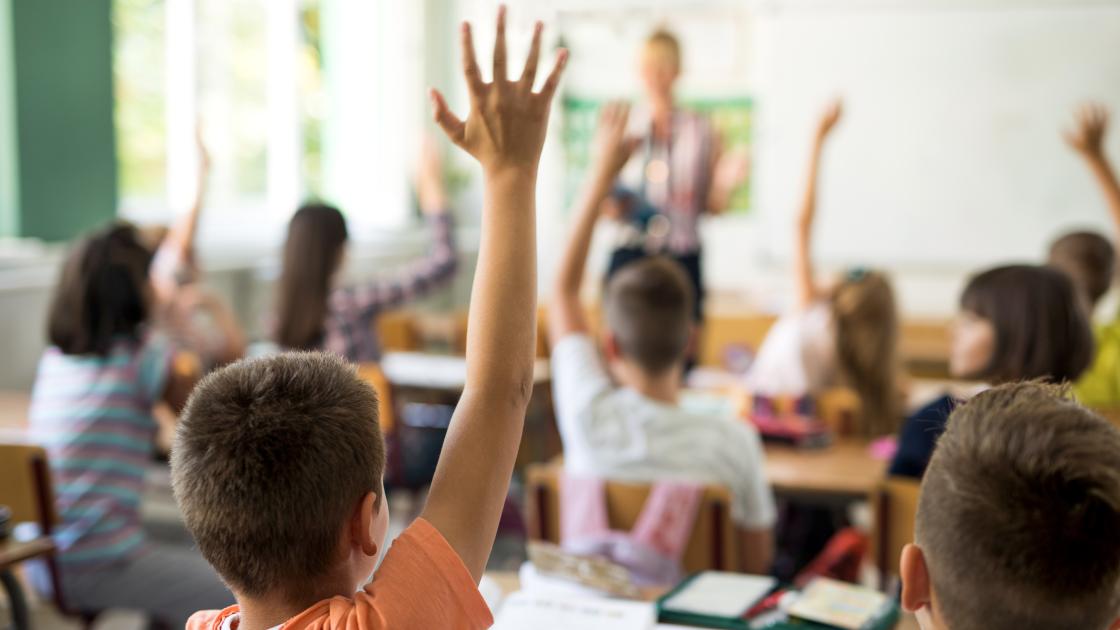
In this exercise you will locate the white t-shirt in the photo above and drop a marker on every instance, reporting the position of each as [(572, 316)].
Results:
[(617, 433), (798, 356)]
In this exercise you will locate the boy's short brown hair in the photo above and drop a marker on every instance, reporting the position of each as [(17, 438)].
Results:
[(1020, 512), (271, 456), (648, 307), (1090, 261)]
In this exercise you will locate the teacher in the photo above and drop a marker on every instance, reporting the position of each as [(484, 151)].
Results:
[(678, 173)]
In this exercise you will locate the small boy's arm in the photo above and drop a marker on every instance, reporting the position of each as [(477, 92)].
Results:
[(1088, 140), (803, 275), (505, 132)]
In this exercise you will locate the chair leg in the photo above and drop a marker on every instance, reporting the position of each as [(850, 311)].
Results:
[(21, 618), (89, 619)]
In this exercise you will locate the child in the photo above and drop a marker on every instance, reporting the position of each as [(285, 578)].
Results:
[(1017, 520), (639, 431), (1015, 323), (195, 318), (1090, 261), (92, 408), (278, 461), (314, 313), (846, 335)]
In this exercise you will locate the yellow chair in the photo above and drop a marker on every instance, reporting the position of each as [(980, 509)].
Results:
[(895, 509), (713, 546), (386, 410), (27, 490)]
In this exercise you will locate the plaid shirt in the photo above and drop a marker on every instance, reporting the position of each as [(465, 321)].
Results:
[(351, 312)]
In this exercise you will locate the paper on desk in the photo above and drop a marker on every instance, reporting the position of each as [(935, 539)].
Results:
[(551, 612)]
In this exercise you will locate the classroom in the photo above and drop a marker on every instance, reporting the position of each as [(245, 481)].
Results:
[(551, 314)]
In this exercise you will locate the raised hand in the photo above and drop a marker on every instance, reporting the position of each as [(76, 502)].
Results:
[(612, 146), (829, 117), (508, 120), (1087, 137)]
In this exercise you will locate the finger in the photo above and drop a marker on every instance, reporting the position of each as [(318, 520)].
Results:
[(529, 74), (549, 87), (470, 63), (448, 121), (500, 46)]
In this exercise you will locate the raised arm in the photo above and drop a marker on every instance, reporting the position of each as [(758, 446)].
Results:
[(504, 132), (1087, 138), (804, 278), (612, 150), (175, 256), (729, 170)]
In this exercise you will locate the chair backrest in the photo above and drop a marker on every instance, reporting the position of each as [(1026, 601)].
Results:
[(896, 511), (26, 488), (397, 332), (386, 410), (714, 544), (839, 408)]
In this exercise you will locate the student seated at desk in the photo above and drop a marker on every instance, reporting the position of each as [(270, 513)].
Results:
[(1015, 323), (843, 335), (1090, 260), (638, 431), (1017, 519), (278, 463), (91, 408), (315, 312)]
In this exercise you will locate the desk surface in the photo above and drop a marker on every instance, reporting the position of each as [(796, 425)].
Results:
[(510, 583), (434, 371), (844, 469), (12, 552)]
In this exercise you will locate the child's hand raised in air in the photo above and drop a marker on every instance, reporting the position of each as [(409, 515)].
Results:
[(612, 146), (1087, 138), (829, 117), (507, 122)]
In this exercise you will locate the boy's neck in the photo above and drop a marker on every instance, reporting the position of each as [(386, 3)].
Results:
[(664, 387), (274, 609)]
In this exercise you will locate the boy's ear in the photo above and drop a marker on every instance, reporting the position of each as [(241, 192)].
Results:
[(361, 525), (916, 590)]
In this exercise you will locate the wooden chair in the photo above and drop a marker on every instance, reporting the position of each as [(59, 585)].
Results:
[(1112, 414), (713, 546), (27, 490), (895, 509), (386, 409), (839, 409), (398, 332)]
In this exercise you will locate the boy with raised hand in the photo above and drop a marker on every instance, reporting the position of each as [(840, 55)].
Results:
[(638, 431), (278, 462), (1018, 518)]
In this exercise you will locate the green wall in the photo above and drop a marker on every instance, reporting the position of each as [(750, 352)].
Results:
[(63, 101), (9, 174)]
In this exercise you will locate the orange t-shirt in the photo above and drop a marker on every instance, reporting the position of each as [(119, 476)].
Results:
[(421, 584)]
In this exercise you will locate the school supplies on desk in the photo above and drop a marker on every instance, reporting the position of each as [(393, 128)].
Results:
[(791, 421), (845, 606), (523, 611), (712, 599)]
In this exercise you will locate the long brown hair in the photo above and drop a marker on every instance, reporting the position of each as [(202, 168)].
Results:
[(102, 295), (312, 253), (866, 324)]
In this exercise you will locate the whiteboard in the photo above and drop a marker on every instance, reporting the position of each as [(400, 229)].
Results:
[(950, 152)]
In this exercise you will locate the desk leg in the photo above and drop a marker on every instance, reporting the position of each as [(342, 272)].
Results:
[(21, 619)]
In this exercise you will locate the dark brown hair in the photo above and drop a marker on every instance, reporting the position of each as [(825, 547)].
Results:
[(102, 295), (866, 320), (312, 253), (271, 457), (1040, 328), (1090, 261), (1019, 513), (648, 307)]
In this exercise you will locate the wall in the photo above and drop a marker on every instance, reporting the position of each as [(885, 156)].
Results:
[(63, 96)]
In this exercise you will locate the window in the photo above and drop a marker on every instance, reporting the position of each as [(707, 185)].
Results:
[(296, 99)]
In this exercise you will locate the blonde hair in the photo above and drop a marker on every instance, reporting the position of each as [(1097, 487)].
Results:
[(866, 325), (664, 44)]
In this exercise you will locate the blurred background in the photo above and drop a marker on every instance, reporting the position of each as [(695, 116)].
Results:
[(950, 156)]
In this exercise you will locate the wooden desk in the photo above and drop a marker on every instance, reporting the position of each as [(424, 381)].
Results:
[(843, 470), (510, 583)]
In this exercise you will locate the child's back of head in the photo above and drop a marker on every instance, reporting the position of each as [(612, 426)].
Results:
[(1089, 260), (1019, 514), (648, 307), (270, 459), (102, 295)]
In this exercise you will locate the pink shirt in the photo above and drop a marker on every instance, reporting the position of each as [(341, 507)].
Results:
[(421, 584)]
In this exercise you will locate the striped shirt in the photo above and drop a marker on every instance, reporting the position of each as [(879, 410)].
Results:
[(681, 190), (94, 416), (351, 311)]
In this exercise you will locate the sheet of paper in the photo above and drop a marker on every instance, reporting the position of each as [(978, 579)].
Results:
[(838, 604), (549, 612), (721, 594)]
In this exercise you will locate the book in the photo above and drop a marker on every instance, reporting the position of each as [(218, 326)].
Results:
[(712, 599), (842, 605)]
